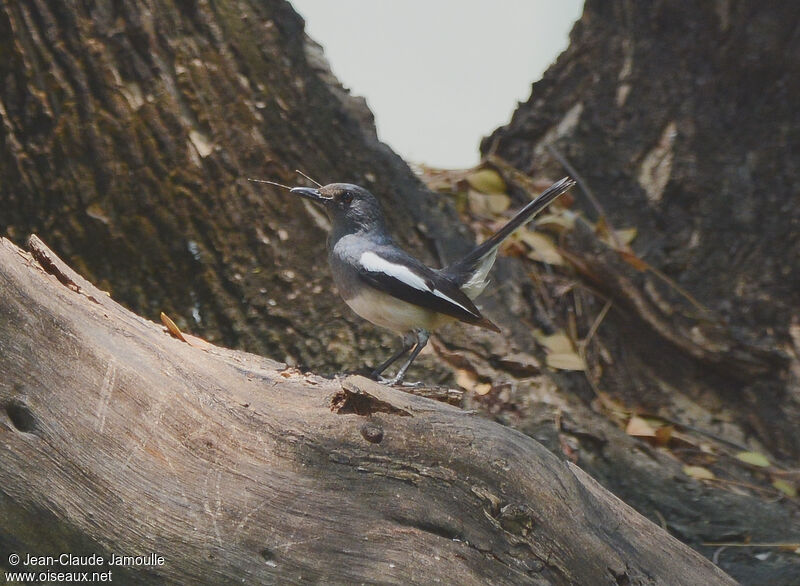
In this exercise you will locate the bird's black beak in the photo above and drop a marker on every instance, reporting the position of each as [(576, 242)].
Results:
[(311, 193)]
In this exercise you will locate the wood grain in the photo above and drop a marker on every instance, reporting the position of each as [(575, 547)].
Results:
[(118, 438)]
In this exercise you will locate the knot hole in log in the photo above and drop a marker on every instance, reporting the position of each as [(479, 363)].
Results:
[(21, 416)]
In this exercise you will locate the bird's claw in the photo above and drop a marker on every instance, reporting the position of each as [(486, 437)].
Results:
[(416, 385), (398, 382), (388, 381)]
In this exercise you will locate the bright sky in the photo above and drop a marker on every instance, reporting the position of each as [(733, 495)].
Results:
[(439, 74)]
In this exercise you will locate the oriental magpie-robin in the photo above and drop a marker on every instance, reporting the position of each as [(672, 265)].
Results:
[(390, 288)]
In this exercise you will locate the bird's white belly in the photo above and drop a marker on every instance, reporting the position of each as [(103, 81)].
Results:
[(393, 314)]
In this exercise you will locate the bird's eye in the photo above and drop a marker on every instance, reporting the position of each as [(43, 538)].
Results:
[(346, 197)]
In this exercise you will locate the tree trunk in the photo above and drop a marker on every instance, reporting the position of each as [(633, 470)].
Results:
[(119, 439), (682, 119), (681, 122), (127, 133)]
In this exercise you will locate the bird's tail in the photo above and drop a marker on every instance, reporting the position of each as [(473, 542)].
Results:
[(470, 272)]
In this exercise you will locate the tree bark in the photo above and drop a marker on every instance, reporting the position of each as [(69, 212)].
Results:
[(679, 118), (127, 132), (679, 121), (121, 439)]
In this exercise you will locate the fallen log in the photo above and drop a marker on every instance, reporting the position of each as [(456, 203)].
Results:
[(224, 467)]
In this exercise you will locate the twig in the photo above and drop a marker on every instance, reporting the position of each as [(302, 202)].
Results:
[(517, 176), (760, 489), (314, 181), (586, 189), (587, 373), (785, 472), (596, 324), (613, 233), (768, 544), (582, 352), (281, 185), (696, 430), (543, 293), (702, 308)]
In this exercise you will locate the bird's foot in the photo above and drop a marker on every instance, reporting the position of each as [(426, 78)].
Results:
[(417, 385), (376, 376), (387, 381), (399, 382)]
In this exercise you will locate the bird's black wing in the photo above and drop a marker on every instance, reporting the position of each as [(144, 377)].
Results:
[(393, 271)]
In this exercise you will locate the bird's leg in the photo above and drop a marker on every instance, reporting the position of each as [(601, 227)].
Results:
[(422, 340), (408, 342)]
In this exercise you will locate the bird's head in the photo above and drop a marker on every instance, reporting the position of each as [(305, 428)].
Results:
[(350, 208)]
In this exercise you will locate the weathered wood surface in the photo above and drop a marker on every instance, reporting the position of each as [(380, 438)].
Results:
[(129, 129), (119, 438)]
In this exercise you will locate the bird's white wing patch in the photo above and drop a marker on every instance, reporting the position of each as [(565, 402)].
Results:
[(477, 281), (374, 263)]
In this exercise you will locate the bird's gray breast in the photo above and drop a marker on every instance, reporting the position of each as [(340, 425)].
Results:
[(343, 257)]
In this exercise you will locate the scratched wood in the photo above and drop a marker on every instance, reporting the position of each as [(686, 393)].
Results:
[(118, 438)]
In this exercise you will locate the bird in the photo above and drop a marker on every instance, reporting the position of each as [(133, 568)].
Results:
[(389, 287)]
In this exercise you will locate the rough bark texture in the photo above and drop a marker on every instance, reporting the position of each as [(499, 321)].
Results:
[(128, 132), (682, 119), (128, 129), (258, 474)]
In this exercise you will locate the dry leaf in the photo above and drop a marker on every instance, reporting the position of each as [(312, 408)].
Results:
[(601, 228), (563, 221), (626, 235), (561, 354), (96, 212), (520, 362), (487, 205), (638, 427), (483, 388), (197, 342), (698, 472), (684, 438), (487, 181), (619, 240), (440, 185), (664, 435), (633, 260), (558, 342), (785, 487), (171, 327), (466, 379), (565, 361), (201, 142), (543, 249), (753, 458), (513, 248), (614, 407)]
